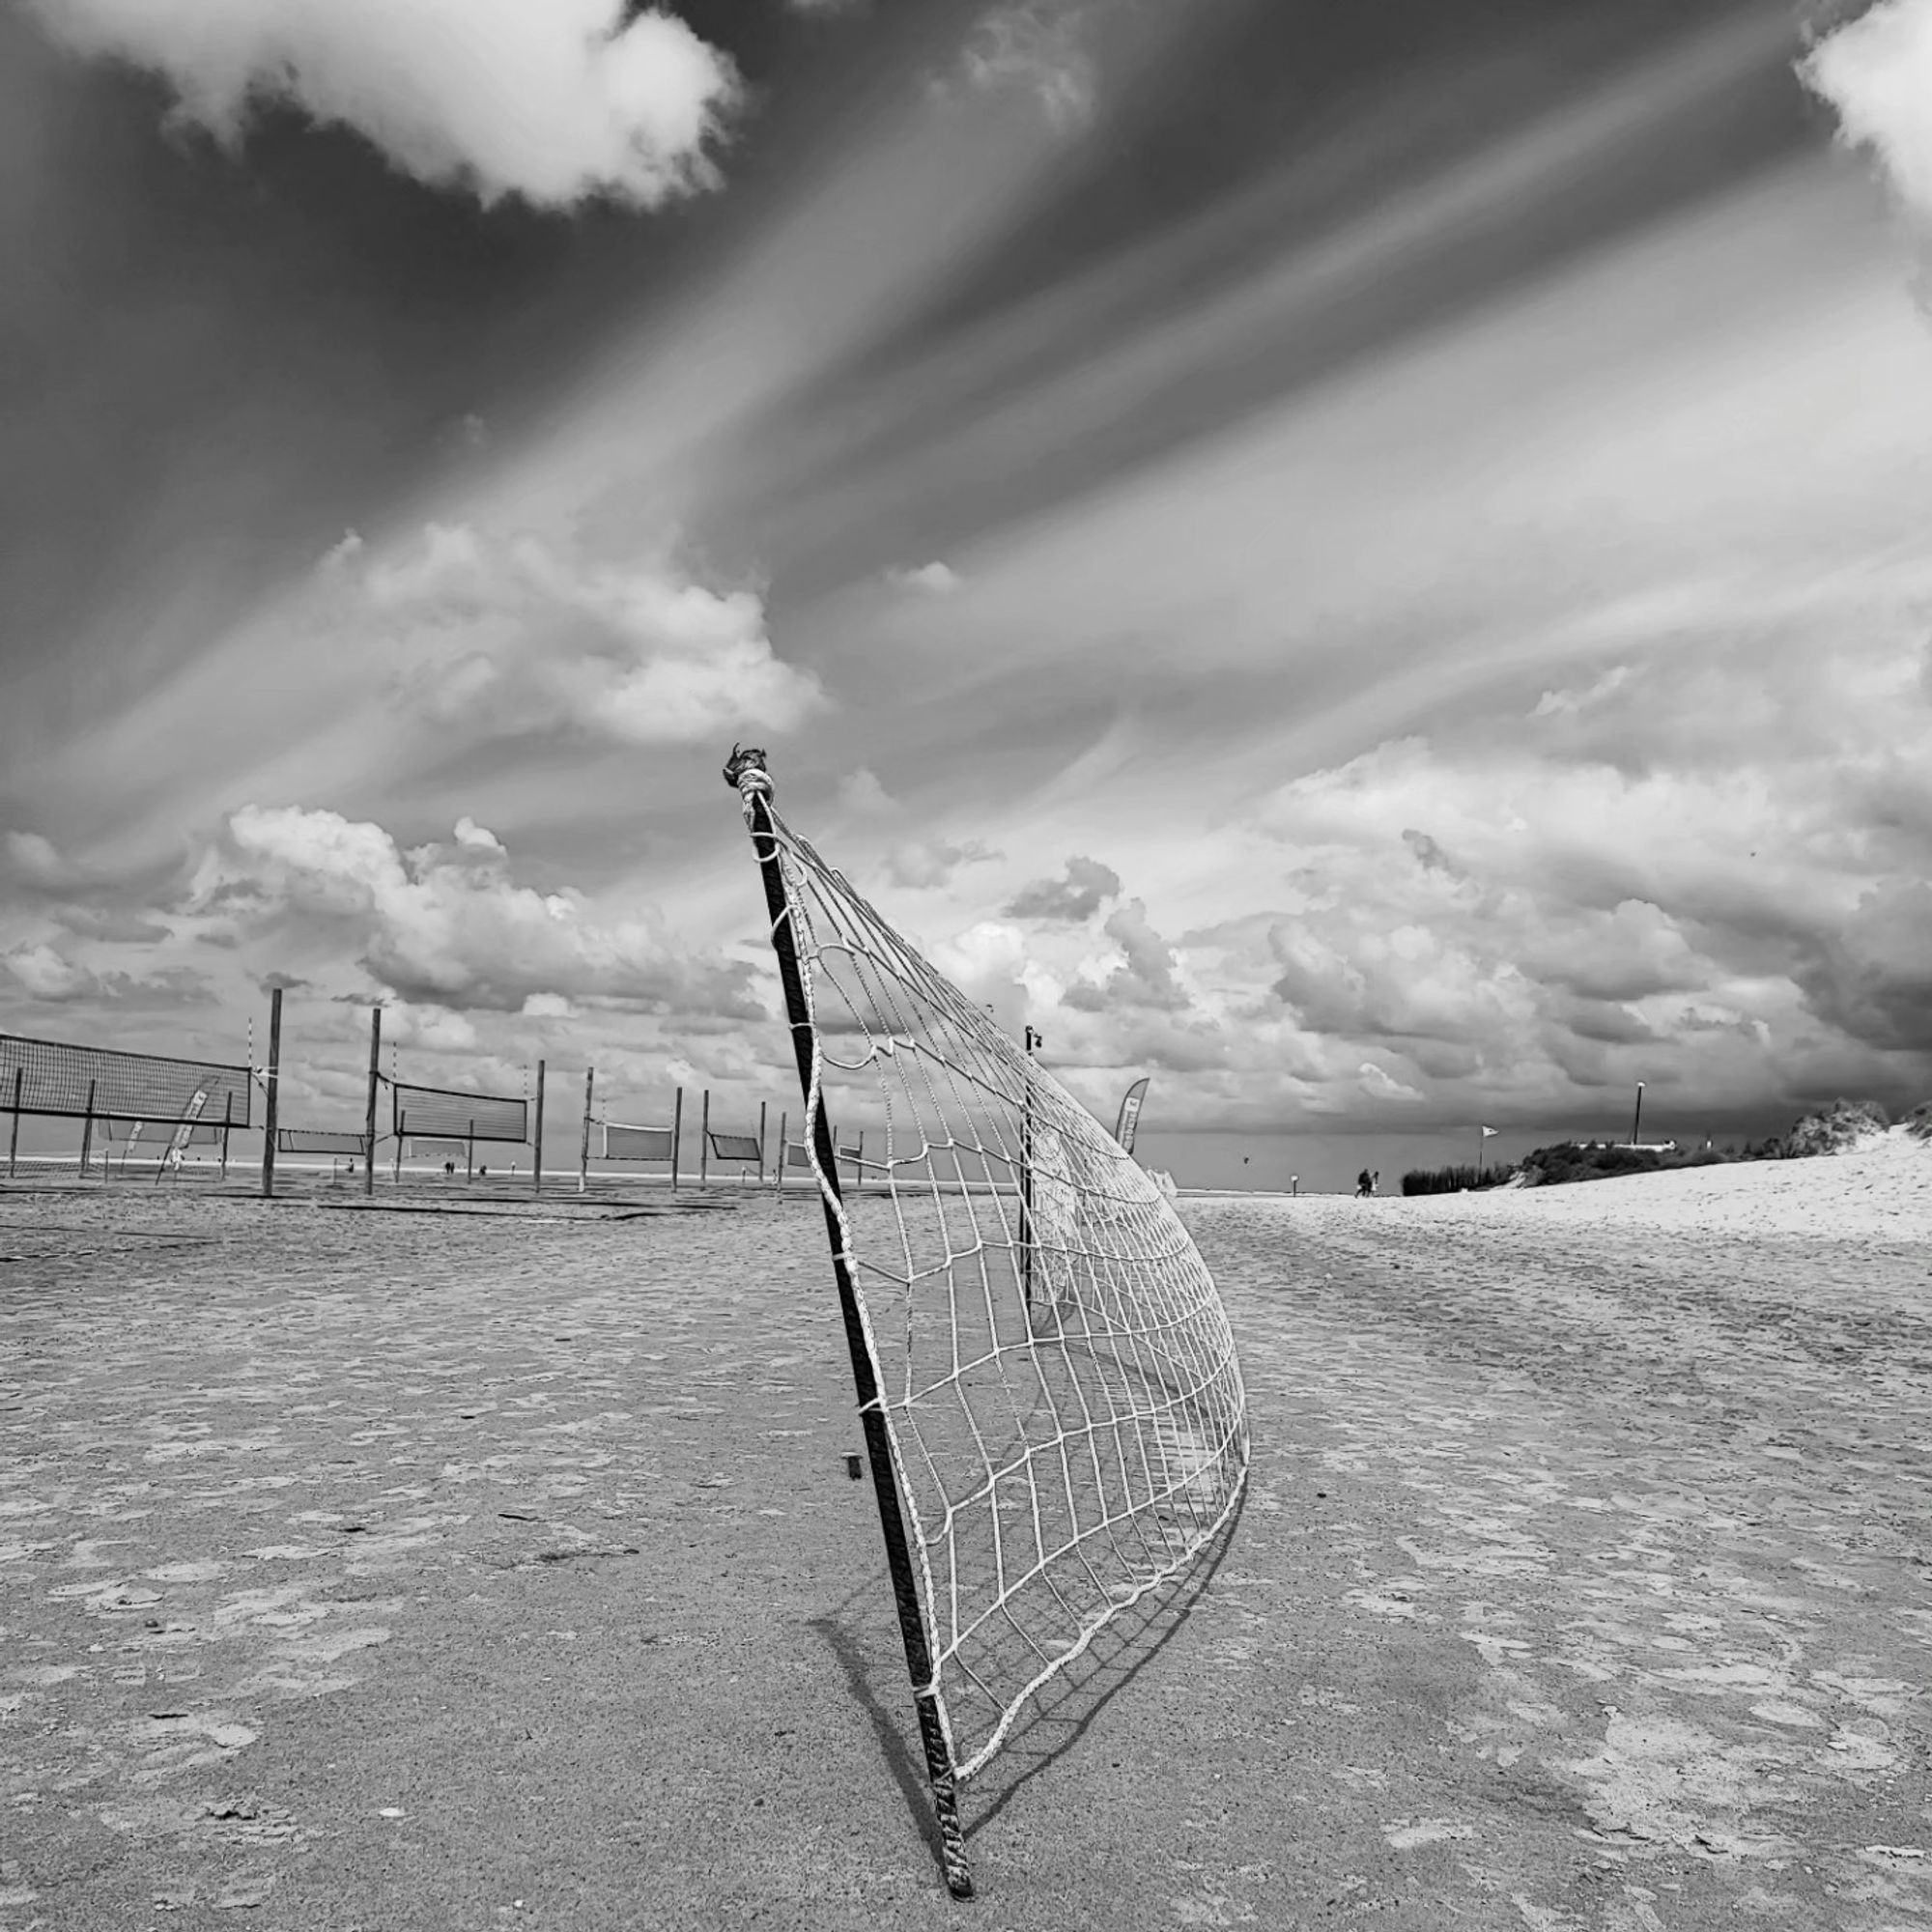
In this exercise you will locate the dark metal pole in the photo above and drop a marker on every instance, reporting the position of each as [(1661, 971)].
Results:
[(87, 1131), (761, 1142), (784, 1147), (878, 1447), (539, 1132), (584, 1151), (375, 1085), (273, 1093), (227, 1120), (1637, 1117), (676, 1135), (1032, 1039), (704, 1143), (14, 1145)]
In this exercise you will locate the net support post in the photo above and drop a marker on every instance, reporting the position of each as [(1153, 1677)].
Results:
[(227, 1121), (87, 1131), (538, 1130), (375, 1084), (13, 1143), (940, 1772), (676, 1134), (584, 1148), (762, 1142), (704, 1143), (273, 1093), (784, 1149)]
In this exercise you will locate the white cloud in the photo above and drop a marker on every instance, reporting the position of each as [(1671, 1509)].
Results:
[(431, 927), (1876, 70), (860, 791), (934, 580), (512, 639), (552, 100), (1039, 45), (37, 860), (46, 974), (476, 838), (926, 864)]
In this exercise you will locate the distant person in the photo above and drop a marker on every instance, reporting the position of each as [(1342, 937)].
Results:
[(1375, 1182), (1363, 1182), (449, 1170)]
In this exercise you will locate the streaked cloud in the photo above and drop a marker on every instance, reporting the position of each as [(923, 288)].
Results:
[(550, 101), (935, 579)]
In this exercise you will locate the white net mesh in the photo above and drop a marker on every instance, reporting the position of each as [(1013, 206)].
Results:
[(1064, 1407)]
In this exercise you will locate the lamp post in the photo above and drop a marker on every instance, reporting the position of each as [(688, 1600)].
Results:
[(1638, 1114)]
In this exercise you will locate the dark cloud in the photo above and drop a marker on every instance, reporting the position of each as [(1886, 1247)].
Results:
[(1085, 887), (1872, 976)]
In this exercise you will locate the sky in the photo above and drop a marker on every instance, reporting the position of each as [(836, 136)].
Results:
[(1363, 563)]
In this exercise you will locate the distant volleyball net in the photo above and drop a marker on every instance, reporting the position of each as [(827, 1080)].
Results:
[(443, 1114)]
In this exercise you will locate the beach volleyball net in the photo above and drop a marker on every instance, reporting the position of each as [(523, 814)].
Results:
[(628, 1142), (92, 1083), (440, 1112), (1045, 1374)]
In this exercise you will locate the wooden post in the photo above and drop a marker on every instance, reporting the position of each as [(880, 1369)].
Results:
[(14, 1145), (274, 1085), (704, 1143), (584, 1154), (539, 1130), (470, 1152), (676, 1134), (369, 1117), (784, 1121), (859, 1161), (227, 1120), (761, 1142), (87, 1131)]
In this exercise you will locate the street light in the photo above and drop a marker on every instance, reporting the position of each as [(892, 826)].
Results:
[(1638, 1114)]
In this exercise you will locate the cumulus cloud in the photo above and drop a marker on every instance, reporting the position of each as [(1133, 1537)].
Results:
[(926, 864), (1085, 887), (550, 101), (508, 639), (1876, 72), (860, 791), (934, 580), (1146, 973), (447, 928), (477, 837), (1706, 869), (46, 975), (35, 861)]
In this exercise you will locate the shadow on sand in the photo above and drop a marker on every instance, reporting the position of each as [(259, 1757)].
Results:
[(1058, 1715)]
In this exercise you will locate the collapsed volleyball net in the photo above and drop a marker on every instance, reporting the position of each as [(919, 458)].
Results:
[(1045, 1375)]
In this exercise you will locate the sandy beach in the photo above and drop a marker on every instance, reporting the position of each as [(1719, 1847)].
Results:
[(367, 1569)]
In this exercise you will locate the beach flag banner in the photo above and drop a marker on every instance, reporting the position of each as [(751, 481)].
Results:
[(1044, 1373), (1129, 1115), (178, 1145)]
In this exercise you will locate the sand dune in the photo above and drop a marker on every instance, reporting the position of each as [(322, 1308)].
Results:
[(1881, 1189)]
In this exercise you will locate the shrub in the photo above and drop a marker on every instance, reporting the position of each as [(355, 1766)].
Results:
[(1835, 1127), (1588, 1160), (1918, 1122), (1457, 1180)]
